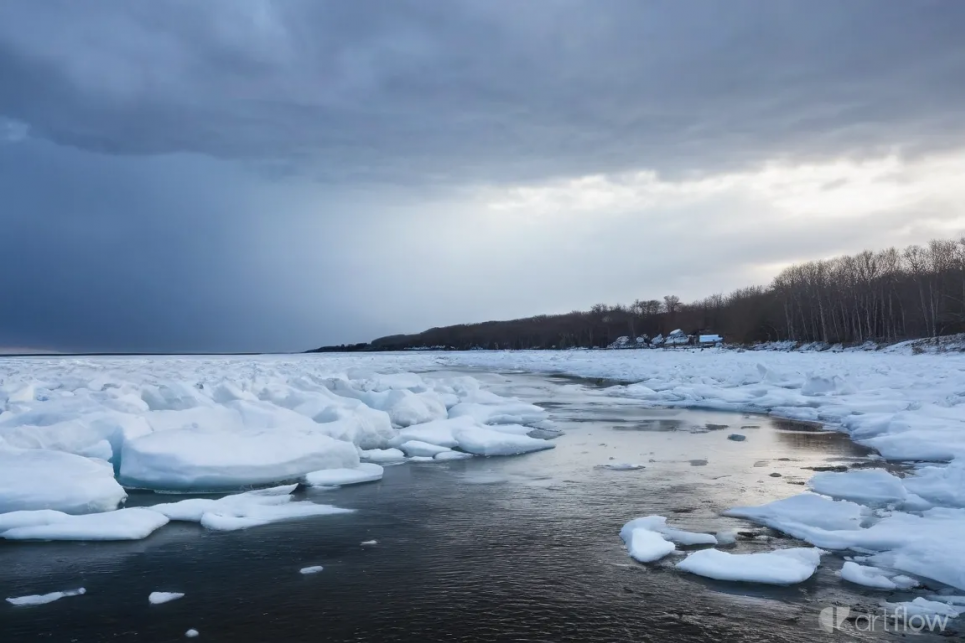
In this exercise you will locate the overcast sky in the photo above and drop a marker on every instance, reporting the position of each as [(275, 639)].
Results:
[(254, 175)]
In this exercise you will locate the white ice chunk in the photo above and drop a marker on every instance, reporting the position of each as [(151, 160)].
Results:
[(40, 479), (873, 487), (43, 599), (810, 517), (192, 634), (658, 524), (780, 567), (438, 432), (365, 472), (156, 598), (623, 466), (310, 570), (485, 441), (647, 546), (369, 543), (922, 607), (452, 455), (867, 576), (244, 510), (196, 460), (509, 412), (424, 449), (939, 485), (123, 524), (383, 456)]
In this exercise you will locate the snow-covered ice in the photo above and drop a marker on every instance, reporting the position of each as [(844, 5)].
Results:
[(43, 599), (310, 570), (875, 577), (650, 538), (74, 430), (244, 510), (124, 524), (364, 472), (46, 479), (922, 607), (202, 460), (647, 546), (779, 567), (156, 598), (382, 456), (192, 634), (872, 487), (490, 442), (413, 448)]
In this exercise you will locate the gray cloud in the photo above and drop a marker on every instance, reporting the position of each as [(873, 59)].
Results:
[(254, 175), (486, 90)]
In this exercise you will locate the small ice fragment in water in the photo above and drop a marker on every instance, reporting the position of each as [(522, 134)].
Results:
[(726, 537), (43, 599), (191, 634), (156, 598), (311, 570), (736, 437), (622, 466), (369, 543)]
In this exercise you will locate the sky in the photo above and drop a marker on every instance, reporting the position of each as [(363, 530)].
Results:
[(257, 175)]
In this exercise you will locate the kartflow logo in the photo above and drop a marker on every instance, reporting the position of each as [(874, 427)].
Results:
[(894, 620), (832, 618)]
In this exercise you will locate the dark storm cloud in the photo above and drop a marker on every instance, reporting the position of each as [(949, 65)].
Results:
[(251, 175), (486, 90)]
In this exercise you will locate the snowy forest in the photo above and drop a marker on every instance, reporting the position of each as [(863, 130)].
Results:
[(883, 296)]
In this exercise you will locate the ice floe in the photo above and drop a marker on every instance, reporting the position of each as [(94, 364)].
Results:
[(44, 479), (73, 431), (201, 460), (192, 634), (306, 571), (875, 577), (649, 539), (43, 599), (244, 510), (779, 567), (364, 472), (123, 524), (157, 598), (872, 487)]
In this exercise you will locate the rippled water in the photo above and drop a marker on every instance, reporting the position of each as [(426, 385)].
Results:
[(511, 549)]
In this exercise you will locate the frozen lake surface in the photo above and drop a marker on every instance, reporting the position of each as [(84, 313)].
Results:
[(522, 548)]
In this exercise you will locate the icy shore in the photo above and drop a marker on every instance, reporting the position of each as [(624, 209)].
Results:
[(75, 432)]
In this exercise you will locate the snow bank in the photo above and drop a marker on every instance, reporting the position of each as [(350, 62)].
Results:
[(364, 472), (780, 567), (43, 599), (123, 524), (157, 598), (42, 479)]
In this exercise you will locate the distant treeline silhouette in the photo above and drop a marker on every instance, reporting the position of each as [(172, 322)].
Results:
[(883, 296)]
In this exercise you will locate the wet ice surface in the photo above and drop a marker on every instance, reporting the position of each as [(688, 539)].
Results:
[(523, 548)]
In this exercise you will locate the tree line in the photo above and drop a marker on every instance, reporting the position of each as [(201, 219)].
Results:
[(883, 296)]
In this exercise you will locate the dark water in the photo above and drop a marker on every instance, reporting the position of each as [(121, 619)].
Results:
[(511, 549)]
